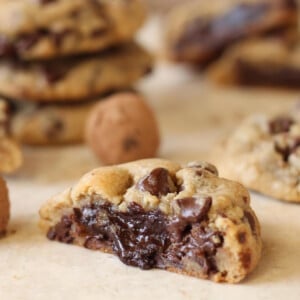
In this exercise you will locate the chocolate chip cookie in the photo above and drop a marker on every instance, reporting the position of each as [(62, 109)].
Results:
[(264, 155), (74, 78), (200, 32), (38, 29), (156, 214), (4, 207), (10, 154), (49, 124), (262, 62)]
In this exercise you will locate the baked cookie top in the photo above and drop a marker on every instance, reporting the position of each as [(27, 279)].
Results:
[(270, 62), (264, 155), (193, 206), (33, 29), (200, 31), (74, 78)]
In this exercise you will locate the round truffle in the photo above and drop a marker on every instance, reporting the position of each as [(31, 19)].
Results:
[(122, 128), (4, 207)]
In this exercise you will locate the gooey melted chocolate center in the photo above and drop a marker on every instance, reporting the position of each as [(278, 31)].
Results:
[(146, 239)]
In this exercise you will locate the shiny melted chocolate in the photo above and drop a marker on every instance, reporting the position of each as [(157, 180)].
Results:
[(146, 239)]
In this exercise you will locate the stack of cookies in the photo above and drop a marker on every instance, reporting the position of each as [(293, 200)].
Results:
[(58, 57), (249, 42)]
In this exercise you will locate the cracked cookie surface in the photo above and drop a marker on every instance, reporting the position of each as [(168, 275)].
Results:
[(157, 214)]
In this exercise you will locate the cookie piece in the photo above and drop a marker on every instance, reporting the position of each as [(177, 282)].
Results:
[(263, 62), (74, 79), (42, 29), (10, 154), (264, 155), (122, 128), (4, 207), (199, 32), (156, 214), (49, 124)]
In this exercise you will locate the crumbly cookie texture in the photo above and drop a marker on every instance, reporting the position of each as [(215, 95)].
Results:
[(74, 79), (49, 124), (264, 62), (37, 29), (11, 157), (199, 32), (4, 207), (264, 155), (156, 214)]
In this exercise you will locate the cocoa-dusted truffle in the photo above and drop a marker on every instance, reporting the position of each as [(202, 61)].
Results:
[(122, 128), (4, 207)]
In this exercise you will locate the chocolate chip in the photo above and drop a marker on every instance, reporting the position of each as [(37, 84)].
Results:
[(280, 125), (241, 237), (62, 231), (286, 151), (203, 166), (158, 183), (130, 144), (246, 259), (249, 217), (55, 129), (191, 211)]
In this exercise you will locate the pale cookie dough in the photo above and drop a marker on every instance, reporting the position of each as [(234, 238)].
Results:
[(264, 155), (4, 207), (261, 62), (199, 32), (156, 214), (35, 29), (74, 78), (11, 157)]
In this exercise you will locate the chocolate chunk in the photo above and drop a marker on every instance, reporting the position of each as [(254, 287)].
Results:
[(280, 125), (246, 259), (62, 231), (158, 183), (141, 238), (204, 166), (270, 75), (54, 129), (191, 211), (286, 151)]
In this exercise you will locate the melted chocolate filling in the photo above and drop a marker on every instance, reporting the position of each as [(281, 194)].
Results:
[(146, 239), (272, 75)]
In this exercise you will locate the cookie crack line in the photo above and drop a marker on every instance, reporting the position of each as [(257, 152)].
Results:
[(157, 214)]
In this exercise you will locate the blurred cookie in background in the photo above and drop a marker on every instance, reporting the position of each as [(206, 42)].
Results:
[(10, 154), (260, 62), (46, 29), (74, 78), (163, 6), (200, 32)]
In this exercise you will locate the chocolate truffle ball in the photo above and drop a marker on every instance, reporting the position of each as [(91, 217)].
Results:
[(122, 128), (4, 207)]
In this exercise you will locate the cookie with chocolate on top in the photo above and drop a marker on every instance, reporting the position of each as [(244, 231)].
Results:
[(264, 155), (199, 32), (157, 214), (40, 29), (260, 62), (74, 78)]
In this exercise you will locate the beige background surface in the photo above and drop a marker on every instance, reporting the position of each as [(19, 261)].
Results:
[(193, 115)]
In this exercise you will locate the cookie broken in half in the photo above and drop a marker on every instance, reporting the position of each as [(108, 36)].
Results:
[(156, 214)]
